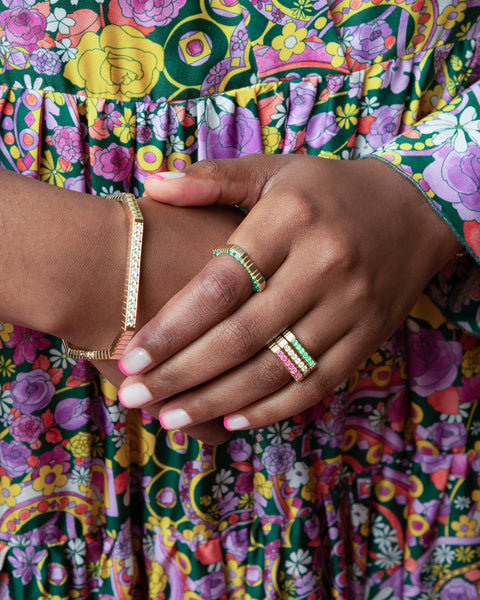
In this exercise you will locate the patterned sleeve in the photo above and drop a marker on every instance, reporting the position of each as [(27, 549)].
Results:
[(441, 155)]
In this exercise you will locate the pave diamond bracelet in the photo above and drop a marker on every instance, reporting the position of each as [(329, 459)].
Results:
[(132, 281)]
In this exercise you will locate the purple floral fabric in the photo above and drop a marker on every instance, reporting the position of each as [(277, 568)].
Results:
[(372, 493)]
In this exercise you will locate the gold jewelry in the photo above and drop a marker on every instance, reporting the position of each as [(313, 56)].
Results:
[(258, 280), (293, 355), (132, 281)]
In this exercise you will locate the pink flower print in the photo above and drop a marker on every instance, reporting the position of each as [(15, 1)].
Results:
[(151, 13), (83, 370), (26, 343), (23, 27), (27, 428), (114, 162), (216, 75), (110, 116), (434, 361), (67, 143), (144, 134), (244, 483)]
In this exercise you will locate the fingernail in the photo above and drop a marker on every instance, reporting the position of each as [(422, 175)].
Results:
[(166, 175), (235, 422), (135, 362), (134, 395), (175, 419)]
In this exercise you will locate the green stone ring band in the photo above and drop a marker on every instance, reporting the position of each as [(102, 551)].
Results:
[(258, 280), (293, 355)]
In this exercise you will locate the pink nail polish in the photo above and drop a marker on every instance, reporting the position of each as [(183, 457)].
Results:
[(166, 175), (124, 371), (236, 422)]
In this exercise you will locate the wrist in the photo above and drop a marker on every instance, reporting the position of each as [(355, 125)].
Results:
[(89, 290)]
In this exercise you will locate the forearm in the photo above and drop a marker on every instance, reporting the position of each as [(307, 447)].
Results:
[(63, 257)]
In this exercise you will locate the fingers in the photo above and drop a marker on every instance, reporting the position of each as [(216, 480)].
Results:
[(214, 294), (233, 182), (262, 375), (333, 368), (231, 342), (255, 381)]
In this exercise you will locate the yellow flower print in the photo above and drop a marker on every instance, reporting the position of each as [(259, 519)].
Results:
[(128, 124), (347, 115), (101, 568), (50, 171), (465, 527), (291, 41), (7, 367), (471, 362), (464, 554), (245, 501), (80, 445), (271, 139), (8, 491), (476, 498), (199, 532), (263, 486), (451, 15), (49, 477), (157, 580), (120, 63), (5, 331), (302, 8), (336, 52)]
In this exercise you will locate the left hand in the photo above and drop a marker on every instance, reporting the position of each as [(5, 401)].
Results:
[(346, 248)]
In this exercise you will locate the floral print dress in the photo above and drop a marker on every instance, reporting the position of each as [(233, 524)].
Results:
[(374, 492)]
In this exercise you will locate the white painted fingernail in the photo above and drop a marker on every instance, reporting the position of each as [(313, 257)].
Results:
[(175, 419), (135, 362), (135, 395), (234, 422)]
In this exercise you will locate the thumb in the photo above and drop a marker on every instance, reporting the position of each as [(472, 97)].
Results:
[(238, 181)]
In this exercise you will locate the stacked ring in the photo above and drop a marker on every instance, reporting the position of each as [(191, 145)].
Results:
[(293, 355), (258, 280)]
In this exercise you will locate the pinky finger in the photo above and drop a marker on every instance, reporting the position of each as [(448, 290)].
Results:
[(332, 370)]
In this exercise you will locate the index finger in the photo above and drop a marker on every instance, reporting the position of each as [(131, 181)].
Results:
[(215, 293)]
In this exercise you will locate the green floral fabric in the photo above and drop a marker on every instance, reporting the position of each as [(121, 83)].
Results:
[(373, 493)]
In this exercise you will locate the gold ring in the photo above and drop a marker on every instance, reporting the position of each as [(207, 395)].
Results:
[(293, 355), (258, 280)]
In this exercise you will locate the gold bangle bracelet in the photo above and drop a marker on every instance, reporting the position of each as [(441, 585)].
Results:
[(132, 281)]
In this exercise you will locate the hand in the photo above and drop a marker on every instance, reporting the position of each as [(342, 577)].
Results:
[(346, 246)]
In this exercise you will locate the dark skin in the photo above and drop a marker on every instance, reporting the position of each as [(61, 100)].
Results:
[(347, 248), (71, 248)]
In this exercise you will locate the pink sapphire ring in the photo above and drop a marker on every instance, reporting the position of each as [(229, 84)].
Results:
[(293, 355)]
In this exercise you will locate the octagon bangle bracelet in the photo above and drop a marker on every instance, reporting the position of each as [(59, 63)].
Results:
[(132, 280)]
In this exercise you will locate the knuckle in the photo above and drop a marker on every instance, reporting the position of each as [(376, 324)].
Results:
[(299, 212), (209, 167), (243, 334), (338, 256), (163, 382), (160, 335), (219, 291), (271, 373)]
